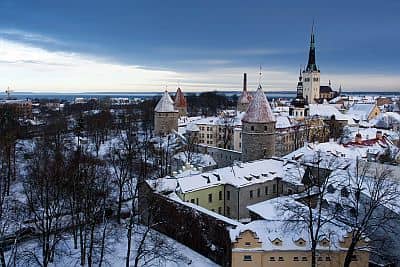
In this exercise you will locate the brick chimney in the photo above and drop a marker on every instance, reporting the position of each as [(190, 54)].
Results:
[(244, 81), (358, 138), (379, 135)]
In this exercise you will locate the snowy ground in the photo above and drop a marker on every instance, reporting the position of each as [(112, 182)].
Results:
[(116, 245)]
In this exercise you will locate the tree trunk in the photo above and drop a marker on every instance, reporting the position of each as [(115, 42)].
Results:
[(128, 250), (349, 255), (90, 255), (119, 203), (2, 258)]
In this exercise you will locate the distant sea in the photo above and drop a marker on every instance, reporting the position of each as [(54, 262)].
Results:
[(144, 95)]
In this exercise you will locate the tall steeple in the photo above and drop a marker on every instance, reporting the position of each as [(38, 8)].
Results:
[(312, 66), (311, 75)]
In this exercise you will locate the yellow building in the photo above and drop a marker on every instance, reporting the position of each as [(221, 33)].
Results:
[(210, 197), (271, 243)]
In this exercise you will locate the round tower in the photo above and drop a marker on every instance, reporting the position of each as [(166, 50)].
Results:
[(165, 116), (180, 102), (258, 129)]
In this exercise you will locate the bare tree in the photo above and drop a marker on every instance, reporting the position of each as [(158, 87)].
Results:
[(44, 198), (368, 206), (309, 213)]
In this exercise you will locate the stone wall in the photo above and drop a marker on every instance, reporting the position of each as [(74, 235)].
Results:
[(258, 141), (165, 122), (223, 157), (198, 230)]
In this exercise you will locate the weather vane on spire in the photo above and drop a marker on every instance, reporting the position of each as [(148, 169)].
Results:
[(260, 75)]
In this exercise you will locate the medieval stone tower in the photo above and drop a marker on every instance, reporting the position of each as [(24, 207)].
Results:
[(165, 116), (311, 75), (245, 98), (258, 129), (180, 102)]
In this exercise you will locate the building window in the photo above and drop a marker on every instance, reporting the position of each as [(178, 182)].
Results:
[(219, 210), (328, 258), (274, 188), (220, 195), (265, 128), (247, 258), (289, 191), (280, 259), (197, 201), (228, 195), (228, 211), (354, 258), (209, 198), (320, 259), (304, 258), (192, 200), (247, 244), (258, 192), (213, 210), (252, 128), (295, 258), (251, 193), (266, 190), (271, 258)]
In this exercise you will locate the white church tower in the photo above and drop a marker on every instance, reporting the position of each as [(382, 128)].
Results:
[(311, 75)]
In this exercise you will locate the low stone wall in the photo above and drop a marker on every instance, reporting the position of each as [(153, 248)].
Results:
[(199, 231), (223, 157)]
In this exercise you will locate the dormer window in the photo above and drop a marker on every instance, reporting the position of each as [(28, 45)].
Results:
[(300, 242), (247, 244), (277, 242), (324, 242)]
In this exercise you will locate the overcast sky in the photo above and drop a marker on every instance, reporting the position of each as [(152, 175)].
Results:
[(83, 46)]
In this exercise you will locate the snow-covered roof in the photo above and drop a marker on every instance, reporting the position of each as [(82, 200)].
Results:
[(165, 104), (259, 110), (361, 111), (282, 122), (244, 174), (197, 159), (386, 120), (269, 231), (327, 111), (221, 120)]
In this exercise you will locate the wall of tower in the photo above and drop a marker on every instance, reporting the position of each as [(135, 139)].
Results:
[(165, 122), (258, 141), (311, 86)]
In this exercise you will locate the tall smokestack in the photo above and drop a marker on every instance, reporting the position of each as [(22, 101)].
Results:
[(244, 81)]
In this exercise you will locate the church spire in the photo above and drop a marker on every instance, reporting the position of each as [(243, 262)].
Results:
[(312, 66)]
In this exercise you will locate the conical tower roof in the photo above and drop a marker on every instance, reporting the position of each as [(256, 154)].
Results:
[(165, 104), (180, 99), (245, 97), (259, 110)]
